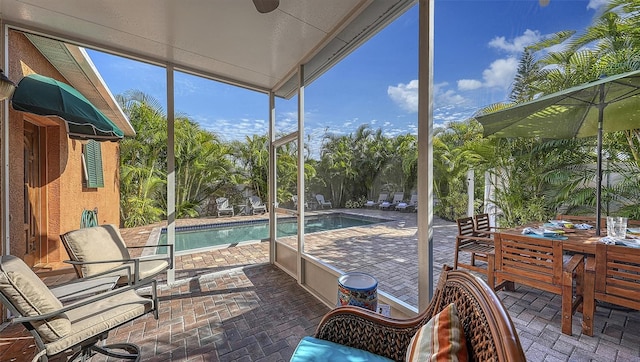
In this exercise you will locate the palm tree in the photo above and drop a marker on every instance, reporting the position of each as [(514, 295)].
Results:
[(142, 176), (252, 159), (337, 165), (203, 165), (454, 153), (373, 154)]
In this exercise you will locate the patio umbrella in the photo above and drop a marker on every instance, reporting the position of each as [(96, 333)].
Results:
[(606, 105), (48, 97)]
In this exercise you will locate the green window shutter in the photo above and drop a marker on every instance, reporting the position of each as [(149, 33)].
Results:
[(93, 164)]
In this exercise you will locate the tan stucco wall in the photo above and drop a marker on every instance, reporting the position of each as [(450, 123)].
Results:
[(66, 198)]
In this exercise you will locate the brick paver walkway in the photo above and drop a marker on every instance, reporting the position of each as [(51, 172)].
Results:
[(230, 305)]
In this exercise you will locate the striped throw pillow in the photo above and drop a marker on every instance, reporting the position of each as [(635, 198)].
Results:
[(441, 339)]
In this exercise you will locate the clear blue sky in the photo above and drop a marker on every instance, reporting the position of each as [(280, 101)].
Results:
[(477, 47)]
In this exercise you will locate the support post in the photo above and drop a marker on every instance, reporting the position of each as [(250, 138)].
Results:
[(301, 198), (425, 153), (470, 192), (171, 172)]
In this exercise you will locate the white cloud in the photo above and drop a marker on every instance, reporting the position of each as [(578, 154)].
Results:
[(446, 97), (597, 4), (518, 43), (500, 73), (405, 95), (469, 84)]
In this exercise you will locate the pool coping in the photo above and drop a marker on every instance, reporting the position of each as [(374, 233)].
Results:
[(154, 235)]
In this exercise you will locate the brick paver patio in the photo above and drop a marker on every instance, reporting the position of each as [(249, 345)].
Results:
[(230, 305)]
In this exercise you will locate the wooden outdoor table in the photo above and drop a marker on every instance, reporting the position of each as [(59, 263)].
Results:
[(585, 243), (580, 241)]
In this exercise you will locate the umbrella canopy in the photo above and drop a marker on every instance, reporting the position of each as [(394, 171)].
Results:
[(48, 97), (606, 105)]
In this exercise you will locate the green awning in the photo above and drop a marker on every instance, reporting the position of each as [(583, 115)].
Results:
[(46, 96)]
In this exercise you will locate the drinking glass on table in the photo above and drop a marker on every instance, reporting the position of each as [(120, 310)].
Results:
[(617, 227)]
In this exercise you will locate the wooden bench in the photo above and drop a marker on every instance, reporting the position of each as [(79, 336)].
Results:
[(612, 276), (538, 263), (488, 329)]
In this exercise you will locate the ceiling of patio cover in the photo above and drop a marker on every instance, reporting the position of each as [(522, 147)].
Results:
[(46, 96)]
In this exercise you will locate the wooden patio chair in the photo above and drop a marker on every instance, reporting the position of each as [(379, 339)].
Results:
[(612, 276), (75, 329), (478, 246), (539, 263), (483, 225), (488, 329)]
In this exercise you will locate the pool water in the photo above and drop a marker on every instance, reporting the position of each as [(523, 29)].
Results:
[(206, 236)]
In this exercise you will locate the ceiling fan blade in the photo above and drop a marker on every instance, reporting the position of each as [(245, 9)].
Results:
[(265, 6)]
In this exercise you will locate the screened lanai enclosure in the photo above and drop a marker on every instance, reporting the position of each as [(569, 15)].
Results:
[(290, 62), (278, 54)]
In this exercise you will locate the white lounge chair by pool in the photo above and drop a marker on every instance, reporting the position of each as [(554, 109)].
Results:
[(397, 198), (294, 198), (408, 206), (223, 206), (322, 202), (257, 207), (382, 198)]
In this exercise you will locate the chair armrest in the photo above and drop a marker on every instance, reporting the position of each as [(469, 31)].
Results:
[(590, 264), (93, 299), (368, 331), (494, 230), (576, 261), (483, 239), (75, 262), (148, 246), (171, 252), (124, 268), (126, 262)]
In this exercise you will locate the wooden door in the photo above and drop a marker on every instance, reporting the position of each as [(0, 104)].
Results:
[(32, 194)]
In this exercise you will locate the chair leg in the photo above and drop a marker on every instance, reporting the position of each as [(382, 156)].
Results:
[(490, 271), (567, 306), (455, 257), (130, 351), (589, 303)]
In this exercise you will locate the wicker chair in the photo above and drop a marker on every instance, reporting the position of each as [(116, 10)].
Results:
[(490, 333)]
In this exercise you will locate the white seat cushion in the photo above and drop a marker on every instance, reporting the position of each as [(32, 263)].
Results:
[(94, 244), (103, 315), (31, 297)]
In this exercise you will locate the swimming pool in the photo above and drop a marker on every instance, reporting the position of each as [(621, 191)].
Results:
[(230, 233)]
